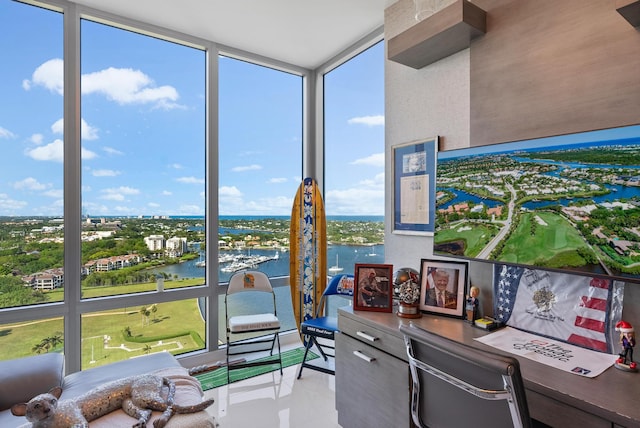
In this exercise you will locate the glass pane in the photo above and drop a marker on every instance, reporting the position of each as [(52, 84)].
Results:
[(143, 162), (108, 336), (24, 339), (31, 165), (354, 161), (260, 165)]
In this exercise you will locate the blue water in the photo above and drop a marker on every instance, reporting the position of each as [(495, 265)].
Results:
[(348, 256)]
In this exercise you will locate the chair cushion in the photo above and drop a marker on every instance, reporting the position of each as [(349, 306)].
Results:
[(256, 322), (320, 327)]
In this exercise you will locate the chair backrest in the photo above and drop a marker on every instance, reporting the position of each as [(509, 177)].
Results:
[(249, 281), (339, 285), (455, 384)]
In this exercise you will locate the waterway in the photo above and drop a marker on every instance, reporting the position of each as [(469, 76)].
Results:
[(347, 257)]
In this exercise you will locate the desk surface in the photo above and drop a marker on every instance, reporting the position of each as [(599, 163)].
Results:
[(613, 395)]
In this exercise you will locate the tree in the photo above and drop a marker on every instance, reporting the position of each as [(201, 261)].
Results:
[(147, 349), (127, 331), (154, 309)]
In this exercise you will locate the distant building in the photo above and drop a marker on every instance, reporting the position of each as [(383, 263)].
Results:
[(46, 280), (155, 242), (176, 247)]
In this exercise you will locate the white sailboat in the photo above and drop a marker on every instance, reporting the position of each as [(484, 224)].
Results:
[(336, 268)]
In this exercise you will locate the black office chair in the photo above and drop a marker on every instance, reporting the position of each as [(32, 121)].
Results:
[(321, 329), (252, 321), (456, 385)]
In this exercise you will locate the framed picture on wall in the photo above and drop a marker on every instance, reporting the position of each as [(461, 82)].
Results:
[(414, 186), (373, 290), (443, 287)]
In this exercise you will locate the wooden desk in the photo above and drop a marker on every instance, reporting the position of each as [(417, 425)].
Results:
[(555, 397)]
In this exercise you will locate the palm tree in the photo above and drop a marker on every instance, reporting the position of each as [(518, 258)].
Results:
[(147, 349), (127, 331), (154, 309)]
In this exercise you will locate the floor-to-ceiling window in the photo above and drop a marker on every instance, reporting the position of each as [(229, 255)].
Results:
[(354, 160), (153, 167), (31, 175), (260, 162)]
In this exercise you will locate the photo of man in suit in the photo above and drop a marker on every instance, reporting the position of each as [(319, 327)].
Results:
[(444, 293)]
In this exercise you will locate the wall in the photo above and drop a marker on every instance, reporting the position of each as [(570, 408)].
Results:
[(439, 99)]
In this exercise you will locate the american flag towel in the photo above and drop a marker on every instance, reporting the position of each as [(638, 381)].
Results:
[(576, 309)]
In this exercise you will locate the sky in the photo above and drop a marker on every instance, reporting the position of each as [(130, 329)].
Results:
[(566, 141), (143, 126)]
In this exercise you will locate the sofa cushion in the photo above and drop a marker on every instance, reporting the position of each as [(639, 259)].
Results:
[(24, 378)]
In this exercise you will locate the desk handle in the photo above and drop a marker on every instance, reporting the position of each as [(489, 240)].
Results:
[(362, 356), (366, 336)]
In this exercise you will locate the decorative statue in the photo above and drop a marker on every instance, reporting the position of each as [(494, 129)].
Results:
[(628, 342), (406, 287), (472, 305)]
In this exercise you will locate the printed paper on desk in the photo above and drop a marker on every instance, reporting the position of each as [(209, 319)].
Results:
[(580, 310), (563, 356)]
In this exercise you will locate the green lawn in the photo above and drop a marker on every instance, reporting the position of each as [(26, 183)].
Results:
[(476, 236), (552, 245), (175, 327)]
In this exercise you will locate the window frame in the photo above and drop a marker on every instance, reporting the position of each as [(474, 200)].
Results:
[(73, 306)]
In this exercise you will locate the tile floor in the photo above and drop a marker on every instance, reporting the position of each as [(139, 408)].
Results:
[(274, 401)]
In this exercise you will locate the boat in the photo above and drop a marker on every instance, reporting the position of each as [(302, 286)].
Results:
[(336, 268)]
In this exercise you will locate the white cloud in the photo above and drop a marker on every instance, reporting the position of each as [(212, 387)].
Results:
[(166, 193), (229, 191), (153, 205), (119, 193), (253, 167), (37, 139), (48, 75), (51, 152), (355, 201), (176, 166), (277, 180), (29, 183), (376, 159), (54, 152), (54, 193), (190, 209), (122, 85), (112, 151), (128, 86), (87, 131), (5, 133), (10, 206), (367, 120), (190, 180), (105, 173)]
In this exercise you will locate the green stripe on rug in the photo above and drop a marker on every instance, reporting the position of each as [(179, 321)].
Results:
[(218, 377)]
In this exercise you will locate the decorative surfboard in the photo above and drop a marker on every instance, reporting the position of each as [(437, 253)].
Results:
[(308, 251)]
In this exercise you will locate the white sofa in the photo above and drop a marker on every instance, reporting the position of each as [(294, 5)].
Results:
[(24, 378)]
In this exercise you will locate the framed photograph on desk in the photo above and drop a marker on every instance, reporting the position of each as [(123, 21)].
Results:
[(372, 289), (414, 186), (443, 286)]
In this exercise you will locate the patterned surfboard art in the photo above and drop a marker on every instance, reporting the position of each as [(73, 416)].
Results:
[(308, 251)]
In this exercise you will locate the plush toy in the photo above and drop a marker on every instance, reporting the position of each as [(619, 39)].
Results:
[(137, 396)]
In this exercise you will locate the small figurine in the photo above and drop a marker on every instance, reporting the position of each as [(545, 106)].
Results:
[(472, 304), (628, 341)]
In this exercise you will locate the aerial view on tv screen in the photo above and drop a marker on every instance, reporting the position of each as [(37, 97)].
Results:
[(569, 202)]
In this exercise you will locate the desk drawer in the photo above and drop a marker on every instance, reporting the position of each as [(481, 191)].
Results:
[(372, 387), (380, 339)]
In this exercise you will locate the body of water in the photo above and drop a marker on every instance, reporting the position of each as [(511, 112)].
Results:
[(346, 255)]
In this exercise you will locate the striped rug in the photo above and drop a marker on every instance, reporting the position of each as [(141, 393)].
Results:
[(218, 377)]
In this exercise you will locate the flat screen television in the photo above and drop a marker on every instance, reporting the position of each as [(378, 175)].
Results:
[(569, 202)]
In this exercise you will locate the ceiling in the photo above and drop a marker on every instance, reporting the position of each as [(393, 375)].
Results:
[(305, 33)]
